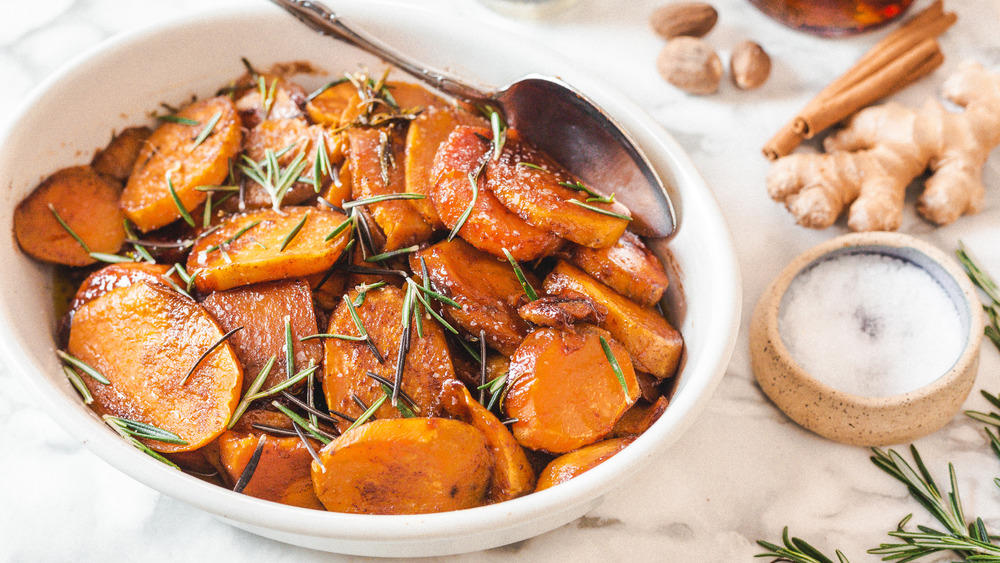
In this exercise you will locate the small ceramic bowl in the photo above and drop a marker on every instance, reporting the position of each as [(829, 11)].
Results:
[(864, 418), (71, 115)]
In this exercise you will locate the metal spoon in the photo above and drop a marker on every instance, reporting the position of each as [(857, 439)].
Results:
[(548, 112)]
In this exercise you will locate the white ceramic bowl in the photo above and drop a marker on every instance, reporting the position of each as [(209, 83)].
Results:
[(71, 115)]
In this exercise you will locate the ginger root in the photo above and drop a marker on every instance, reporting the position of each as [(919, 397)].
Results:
[(869, 164)]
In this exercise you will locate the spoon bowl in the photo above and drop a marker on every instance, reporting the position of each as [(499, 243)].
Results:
[(549, 113)]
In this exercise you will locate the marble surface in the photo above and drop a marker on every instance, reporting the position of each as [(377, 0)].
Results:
[(742, 473)]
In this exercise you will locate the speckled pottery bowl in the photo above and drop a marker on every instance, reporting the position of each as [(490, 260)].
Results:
[(74, 113), (856, 418)]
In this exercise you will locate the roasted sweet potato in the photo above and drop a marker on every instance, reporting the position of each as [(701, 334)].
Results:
[(404, 466), (327, 108), (513, 475), (567, 466), (288, 139), (539, 197), (274, 97), (172, 150), (261, 309), (246, 248), (86, 201), (490, 226), (654, 345), (628, 267), (283, 473), (428, 364), (640, 417), (145, 339), (485, 287), (118, 158), (562, 311), (377, 163), (563, 390), (423, 138)]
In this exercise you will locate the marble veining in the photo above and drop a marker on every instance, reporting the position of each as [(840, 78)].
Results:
[(743, 472)]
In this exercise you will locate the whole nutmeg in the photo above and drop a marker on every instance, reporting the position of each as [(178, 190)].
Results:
[(691, 19), (749, 65), (691, 65)]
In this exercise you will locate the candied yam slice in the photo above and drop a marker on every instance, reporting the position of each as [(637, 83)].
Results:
[(513, 475), (486, 288), (628, 267), (118, 158), (283, 473), (654, 345), (423, 138), (86, 201), (404, 466), (376, 159), (294, 144), (563, 390), (572, 464), (428, 364), (173, 149), (145, 338), (530, 184), (562, 311), (489, 226), (247, 247), (261, 309)]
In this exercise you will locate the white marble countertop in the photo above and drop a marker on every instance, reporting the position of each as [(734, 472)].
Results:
[(742, 473)]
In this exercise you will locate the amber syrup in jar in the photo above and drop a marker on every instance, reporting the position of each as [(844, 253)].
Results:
[(833, 18)]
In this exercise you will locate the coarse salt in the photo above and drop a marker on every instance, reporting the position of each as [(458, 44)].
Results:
[(870, 324)]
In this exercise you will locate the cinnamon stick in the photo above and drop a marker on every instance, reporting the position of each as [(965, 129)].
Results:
[(877, 74)]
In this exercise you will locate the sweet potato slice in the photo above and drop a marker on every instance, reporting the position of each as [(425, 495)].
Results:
[(513, 475), (567, 466), (288, 139), (261, 310), (489, 226), (536, 194), (428, 363), (563, 390), (118, 158), (562, 311), (640, 417), (485, 287), (654, 345), (145, 338), (173, 149), (377, 163), (404, 466), (327, 107), (423, 138), (247, 247), (86, 201), (628, 267), (283, 473)]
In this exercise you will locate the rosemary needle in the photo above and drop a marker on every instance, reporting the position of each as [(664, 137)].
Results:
[(528, 290), (83, 366), (207, 130), (295, 230), (615, 366), (177, 202), (251, 466), (209, 351)]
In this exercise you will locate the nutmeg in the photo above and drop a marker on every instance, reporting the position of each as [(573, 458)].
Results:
[(749, 65), (691, 65), (691, 19)]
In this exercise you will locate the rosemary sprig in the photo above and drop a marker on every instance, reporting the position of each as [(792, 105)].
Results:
[(171, 118), (209, 351), (360, 326), (596, 209), (266, 94), (269, 174), (251, 466), (295, 230), (391, 253), (78, 384), (380, 198), (796, 551), (313, 430), (348, 223), (145, 431), (118, 426), (615, 366), (83, 366), (985, 282), (212, 122), (431, 293), (363, 290), (177, 202), (321, 164), (528, 290), (289, 350)]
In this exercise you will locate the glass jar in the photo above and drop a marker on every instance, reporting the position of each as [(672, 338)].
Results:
[(833, 18)]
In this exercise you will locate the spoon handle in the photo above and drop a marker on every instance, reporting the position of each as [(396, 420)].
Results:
[(325, 21)]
